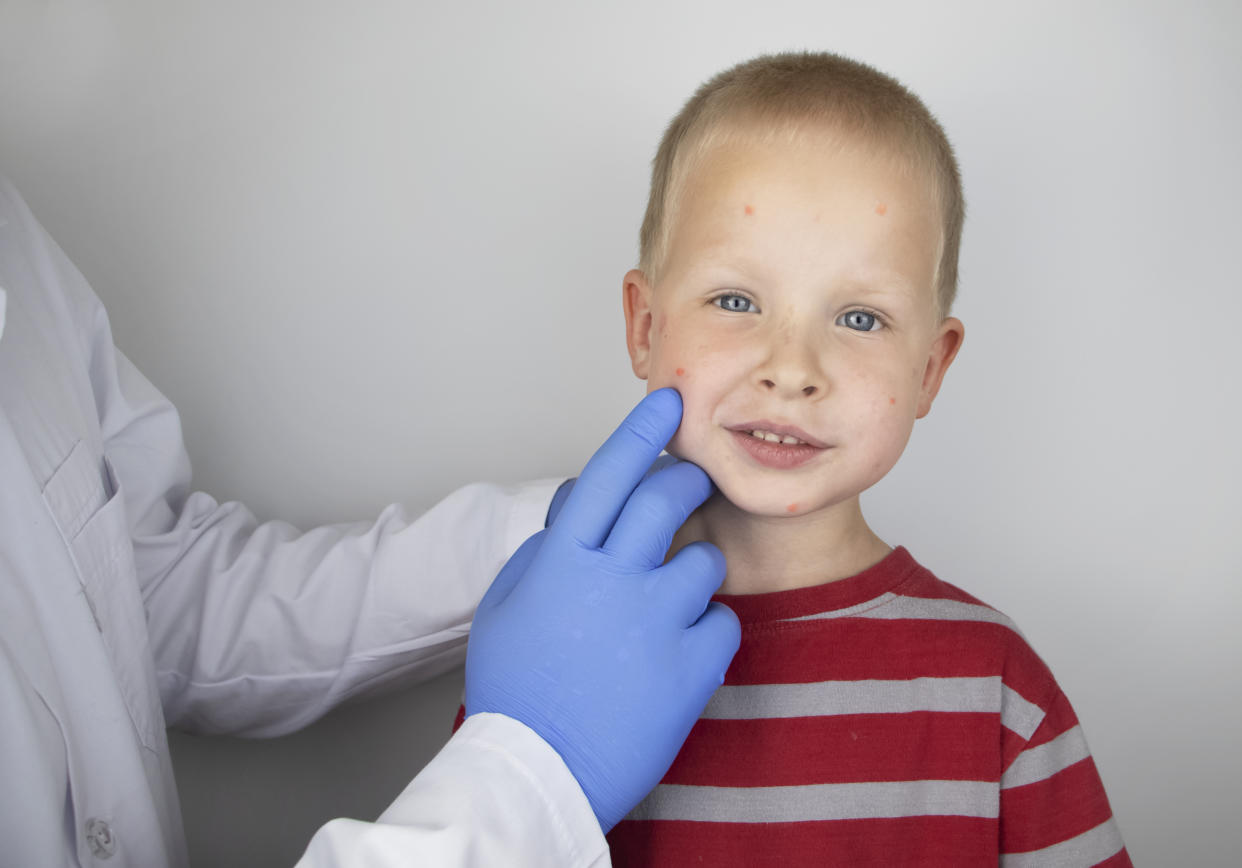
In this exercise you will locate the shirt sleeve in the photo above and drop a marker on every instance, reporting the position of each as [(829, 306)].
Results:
[(496, 794), (258, 628), (1053, 808)]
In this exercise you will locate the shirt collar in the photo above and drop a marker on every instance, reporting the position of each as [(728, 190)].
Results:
[(871, 584)]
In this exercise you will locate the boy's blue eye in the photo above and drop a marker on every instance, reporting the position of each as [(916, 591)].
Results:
[(860, 320), (735, 303)]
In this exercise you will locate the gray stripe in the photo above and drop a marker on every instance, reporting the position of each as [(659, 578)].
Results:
[(853, 611), (1089, 848), (1019, 715), (857, 801), (825, 698), (1040, 763), (892, 607)]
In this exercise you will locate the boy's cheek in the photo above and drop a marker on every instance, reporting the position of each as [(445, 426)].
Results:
[(666, 373), (679, 445), (676, 447)]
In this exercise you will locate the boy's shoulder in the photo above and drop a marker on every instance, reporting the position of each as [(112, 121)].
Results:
[(922, 593), (984, 633)]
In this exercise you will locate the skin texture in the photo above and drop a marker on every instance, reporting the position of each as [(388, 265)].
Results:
[(796, 291)]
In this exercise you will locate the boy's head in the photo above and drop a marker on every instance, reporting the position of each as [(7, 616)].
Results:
[(798, 259)]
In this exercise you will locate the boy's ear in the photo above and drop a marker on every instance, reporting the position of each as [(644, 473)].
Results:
[(943, 351), (636, 298)]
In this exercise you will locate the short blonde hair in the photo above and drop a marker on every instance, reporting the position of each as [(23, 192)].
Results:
[(785, 94)]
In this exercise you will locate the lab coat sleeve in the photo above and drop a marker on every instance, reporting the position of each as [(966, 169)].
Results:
[(257, 628), (496, 794)]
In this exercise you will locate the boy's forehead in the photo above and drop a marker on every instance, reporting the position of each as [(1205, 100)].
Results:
[(744, 173), (736, 179)]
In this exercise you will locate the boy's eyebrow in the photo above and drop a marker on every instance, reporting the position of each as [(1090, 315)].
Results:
[(721, 262), (715, 261), (887, 284)]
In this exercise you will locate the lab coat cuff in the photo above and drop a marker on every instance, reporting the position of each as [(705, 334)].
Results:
[(529, 512), (515, 773)]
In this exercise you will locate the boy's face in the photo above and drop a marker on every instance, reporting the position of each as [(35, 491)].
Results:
[(795, 300)]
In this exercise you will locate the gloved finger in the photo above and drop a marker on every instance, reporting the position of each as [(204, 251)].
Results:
[(684, 586), (562, 491), (708, 647), (657, 508), (511, 573), (617, 467)]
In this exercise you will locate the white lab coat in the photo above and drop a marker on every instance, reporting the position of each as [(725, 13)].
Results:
[(128, 601)]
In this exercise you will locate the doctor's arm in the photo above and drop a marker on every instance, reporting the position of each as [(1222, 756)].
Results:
[(258, 628)]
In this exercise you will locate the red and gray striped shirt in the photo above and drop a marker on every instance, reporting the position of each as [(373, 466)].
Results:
[(885, 719)]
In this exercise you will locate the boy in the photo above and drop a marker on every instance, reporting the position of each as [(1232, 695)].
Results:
[(798, 263)]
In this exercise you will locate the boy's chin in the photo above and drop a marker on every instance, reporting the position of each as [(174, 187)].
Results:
[(770, 505)]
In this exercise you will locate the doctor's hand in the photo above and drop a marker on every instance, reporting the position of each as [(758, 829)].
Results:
[(590, 639)]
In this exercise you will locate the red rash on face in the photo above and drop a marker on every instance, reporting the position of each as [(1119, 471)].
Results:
[(681, 372), (881, 209), (892, 401), (749, 210), (793, 507)]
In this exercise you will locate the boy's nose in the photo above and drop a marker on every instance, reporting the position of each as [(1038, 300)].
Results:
[(788, 390), (791, 372)]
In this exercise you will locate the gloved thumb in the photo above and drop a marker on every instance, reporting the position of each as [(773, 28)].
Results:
[(708, 647)]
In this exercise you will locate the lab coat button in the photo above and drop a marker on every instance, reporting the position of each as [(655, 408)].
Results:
[(100, 838)]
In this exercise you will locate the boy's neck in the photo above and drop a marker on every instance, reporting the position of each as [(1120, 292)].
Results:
[(778, 554)]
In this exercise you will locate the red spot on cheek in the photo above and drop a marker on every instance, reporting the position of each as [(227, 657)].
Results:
[(749, 210), (681, 372), (892, 401), (793, 507), (881, 209)]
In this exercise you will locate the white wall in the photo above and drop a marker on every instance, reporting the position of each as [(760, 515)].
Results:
[(373, 251)]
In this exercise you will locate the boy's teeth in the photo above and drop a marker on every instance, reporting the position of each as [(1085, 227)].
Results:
[(788, 440)]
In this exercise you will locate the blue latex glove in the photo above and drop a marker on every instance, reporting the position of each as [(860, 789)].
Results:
[(562, 491), (588, 638)]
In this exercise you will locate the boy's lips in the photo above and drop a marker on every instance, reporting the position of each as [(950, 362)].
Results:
[(771, 431), (781, 447)]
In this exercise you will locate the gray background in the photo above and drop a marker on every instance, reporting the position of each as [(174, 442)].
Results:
[(373, 251)]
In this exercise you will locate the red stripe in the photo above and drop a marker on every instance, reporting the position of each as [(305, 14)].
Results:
[(928, 587), (923, 841), (851, 649), (1012, 744), (840, 749), (1054, 810)]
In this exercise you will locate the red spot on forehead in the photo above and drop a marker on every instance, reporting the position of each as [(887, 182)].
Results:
[(681, 372), (881, 209), (892, 400), (749, 210), (793, 507)]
